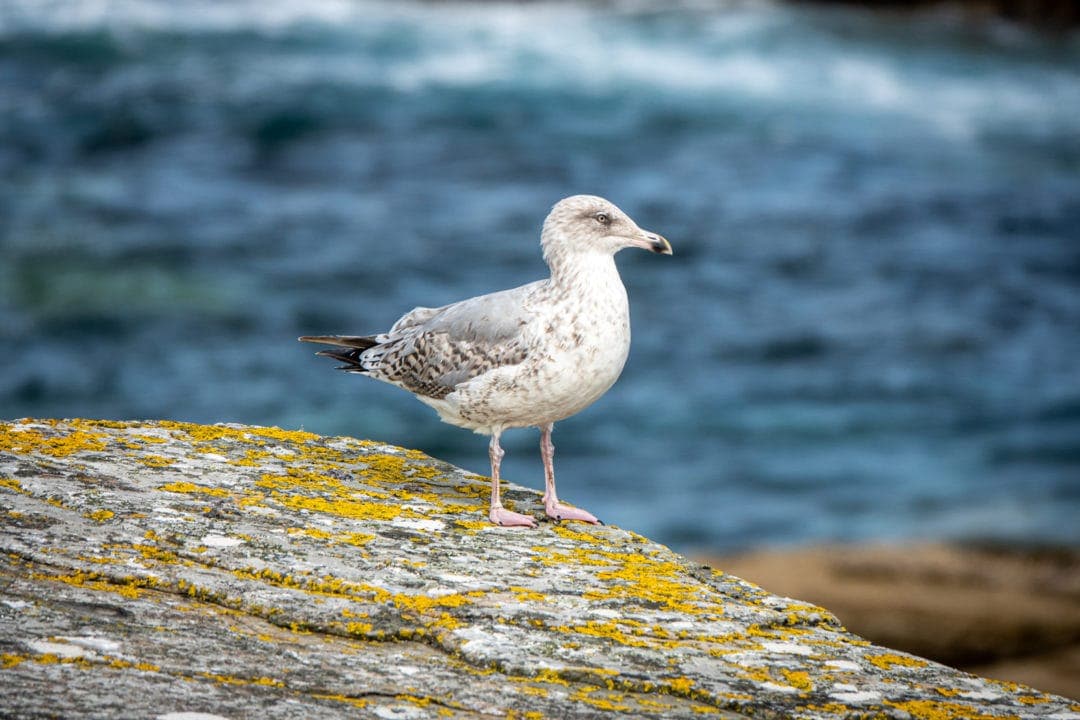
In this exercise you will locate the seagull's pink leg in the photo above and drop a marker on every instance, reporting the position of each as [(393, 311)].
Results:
[(500, 515), (552, 506)]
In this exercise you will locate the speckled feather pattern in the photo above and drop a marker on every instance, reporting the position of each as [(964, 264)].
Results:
[(572, 346)]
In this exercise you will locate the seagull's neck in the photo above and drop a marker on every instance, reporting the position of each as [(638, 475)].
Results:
[(584, 272)]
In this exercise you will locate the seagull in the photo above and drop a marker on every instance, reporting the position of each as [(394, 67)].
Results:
[(526, 357)]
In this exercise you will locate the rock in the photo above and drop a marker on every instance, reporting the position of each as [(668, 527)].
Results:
[(1005, 612), (168, 570)]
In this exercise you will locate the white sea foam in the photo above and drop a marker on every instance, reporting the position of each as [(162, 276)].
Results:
[(757, 53)]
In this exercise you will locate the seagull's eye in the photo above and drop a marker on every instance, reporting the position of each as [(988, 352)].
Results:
[(603, 218)]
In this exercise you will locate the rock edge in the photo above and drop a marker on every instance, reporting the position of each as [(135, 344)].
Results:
[(157, 568)]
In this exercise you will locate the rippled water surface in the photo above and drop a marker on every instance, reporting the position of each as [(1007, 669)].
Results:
[(870, 328)]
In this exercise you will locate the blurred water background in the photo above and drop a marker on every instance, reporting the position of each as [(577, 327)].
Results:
[(870, 329)]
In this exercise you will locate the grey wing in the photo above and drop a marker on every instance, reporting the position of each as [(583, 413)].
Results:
[(492, 319), (454, 344), (413, 318)]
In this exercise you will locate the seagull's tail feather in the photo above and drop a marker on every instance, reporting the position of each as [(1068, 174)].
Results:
[(363, 342), (351, 357)]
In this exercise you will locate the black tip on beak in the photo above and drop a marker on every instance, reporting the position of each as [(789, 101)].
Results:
[(659, 245)]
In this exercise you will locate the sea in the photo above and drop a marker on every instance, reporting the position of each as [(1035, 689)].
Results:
[(869, 330)]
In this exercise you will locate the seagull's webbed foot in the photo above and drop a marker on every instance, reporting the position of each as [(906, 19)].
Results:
[(508, 518), (558, 511)]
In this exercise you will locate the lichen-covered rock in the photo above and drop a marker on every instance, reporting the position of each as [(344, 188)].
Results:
[(156, 569)]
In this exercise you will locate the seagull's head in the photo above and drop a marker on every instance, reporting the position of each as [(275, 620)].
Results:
[(589, 224)]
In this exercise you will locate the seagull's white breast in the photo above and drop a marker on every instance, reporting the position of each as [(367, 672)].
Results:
[(578, 338)]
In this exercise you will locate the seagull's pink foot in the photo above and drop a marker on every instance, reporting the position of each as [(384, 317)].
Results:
[(558, 511), (507, 518)]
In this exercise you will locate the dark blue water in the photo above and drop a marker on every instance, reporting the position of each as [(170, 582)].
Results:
[(870, 328)]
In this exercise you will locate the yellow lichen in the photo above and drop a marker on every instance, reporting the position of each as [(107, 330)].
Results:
[(188, 487), (29, 440), (292, 437), (99, 515), (1033, 700), (311, 532), (121, 664), (127, 587), (155, 461), (479, 490), (624, 632), (384, 466), (797, 679), (113, 424), (354, 538), (654, 704), (13, 484), (756, 674), (832, 708), (647, 580), (99, 559), (533, 690), (355, 702), (10, 660), (940, 710), (424, 603), (680, 685), (526, 595), (418, 700), (355, 509), (151, 552), (249, 499), (549, 676), (887, 661), (610, 702), (252, 458), (351, 538), (358, 628), (472, 525), (563, 531), (326, 585), (233, 680)]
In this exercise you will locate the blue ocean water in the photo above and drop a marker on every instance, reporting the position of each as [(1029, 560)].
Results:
[(870, 329)]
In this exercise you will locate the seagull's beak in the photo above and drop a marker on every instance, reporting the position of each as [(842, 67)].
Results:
[(652, 242)]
